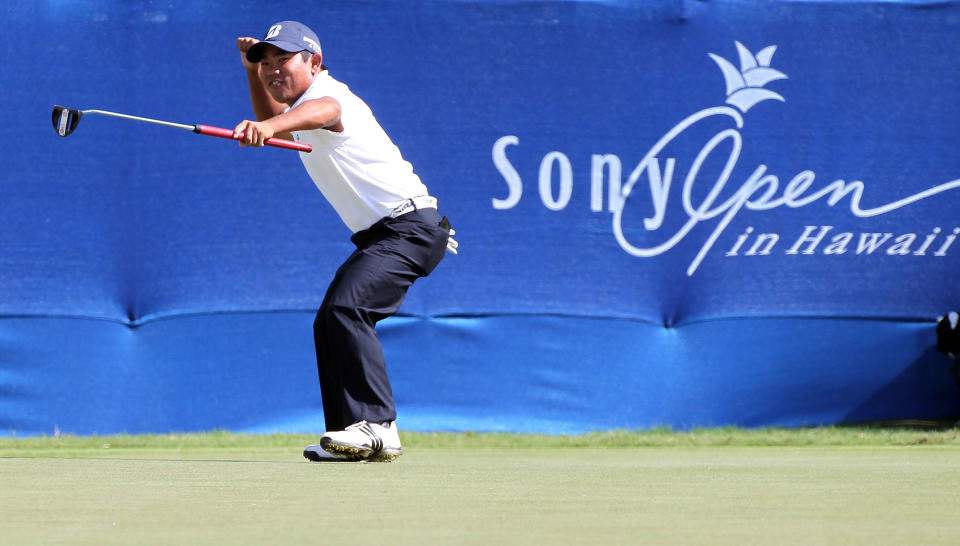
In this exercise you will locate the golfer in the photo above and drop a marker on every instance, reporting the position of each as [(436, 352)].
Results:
[(398, 232)]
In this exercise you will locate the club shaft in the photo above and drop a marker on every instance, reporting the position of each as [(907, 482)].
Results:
[(138, 118), (208, 130)]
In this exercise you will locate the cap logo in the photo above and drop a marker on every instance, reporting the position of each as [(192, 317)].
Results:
[(273, 32), (314, 46)]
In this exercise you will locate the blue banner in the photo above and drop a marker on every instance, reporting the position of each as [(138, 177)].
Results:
[(658, 203)]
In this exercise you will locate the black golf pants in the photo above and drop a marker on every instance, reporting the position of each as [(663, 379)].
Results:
[(369, 287)]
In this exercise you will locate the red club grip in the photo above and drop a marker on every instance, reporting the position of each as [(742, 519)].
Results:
[(227, 133)]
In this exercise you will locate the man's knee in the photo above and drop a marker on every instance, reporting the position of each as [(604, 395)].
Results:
[(319, 323), (338, 320)]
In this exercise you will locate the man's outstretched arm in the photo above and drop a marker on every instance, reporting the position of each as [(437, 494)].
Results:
[(323, 113)]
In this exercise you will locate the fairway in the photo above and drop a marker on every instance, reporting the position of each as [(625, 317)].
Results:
[(476, 489)]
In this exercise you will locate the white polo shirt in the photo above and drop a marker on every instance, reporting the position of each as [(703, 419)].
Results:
[(360, 171)]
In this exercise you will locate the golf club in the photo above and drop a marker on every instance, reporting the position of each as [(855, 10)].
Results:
[(65, 121)]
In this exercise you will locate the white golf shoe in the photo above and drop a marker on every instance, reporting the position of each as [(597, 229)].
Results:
[(317, 454), (365, 440)]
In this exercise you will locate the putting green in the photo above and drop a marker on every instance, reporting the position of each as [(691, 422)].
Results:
[(263, 494)]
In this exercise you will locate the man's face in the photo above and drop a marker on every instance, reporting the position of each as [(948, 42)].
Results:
[(286, 75)]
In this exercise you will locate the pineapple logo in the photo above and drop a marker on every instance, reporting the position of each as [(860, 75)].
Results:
[(745, 86)]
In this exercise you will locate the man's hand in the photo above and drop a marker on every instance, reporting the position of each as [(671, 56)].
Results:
[(254, 132), (243, 44)]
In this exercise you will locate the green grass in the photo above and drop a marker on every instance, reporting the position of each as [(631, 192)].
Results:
[(849, 485), (906, 434)]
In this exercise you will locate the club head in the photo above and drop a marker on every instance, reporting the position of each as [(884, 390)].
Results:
[(65, 120)]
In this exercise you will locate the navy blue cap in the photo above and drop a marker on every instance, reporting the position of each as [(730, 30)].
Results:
[(289, 36)]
